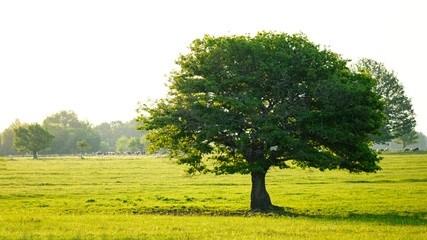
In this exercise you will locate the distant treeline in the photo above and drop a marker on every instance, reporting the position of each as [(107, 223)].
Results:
[(421, 143), (116, 136), (68, 130)]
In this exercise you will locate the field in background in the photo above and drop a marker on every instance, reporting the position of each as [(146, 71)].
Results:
[(151, 198)]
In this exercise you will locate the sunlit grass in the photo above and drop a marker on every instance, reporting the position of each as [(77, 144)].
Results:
[(3, 161), (151, 198), (94, 226)]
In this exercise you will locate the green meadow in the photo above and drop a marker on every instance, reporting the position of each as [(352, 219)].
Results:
[(149, 197)]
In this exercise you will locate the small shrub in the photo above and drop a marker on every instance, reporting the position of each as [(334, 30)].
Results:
[(165, 199), (189, 199)]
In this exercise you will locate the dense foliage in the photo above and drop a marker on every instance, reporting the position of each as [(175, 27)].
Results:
[(32, 138), (111, 132), (68, 130), (242, 104), (6, 139)]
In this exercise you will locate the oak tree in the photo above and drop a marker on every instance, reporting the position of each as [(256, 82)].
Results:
[(32, 138), (242, 104)]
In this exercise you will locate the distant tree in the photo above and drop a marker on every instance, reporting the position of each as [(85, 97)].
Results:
[(122, 144), (134, 144), (144, 144), (117, 128), (91, 137), (398, 107), (130, 129), (65, 119), (407, 139), (32, 138), (104, 147), (242, 104), (111, 132), (422, 141), (82, 145), (68, 129), (7, 136)]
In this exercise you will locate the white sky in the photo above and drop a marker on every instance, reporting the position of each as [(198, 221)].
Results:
[(100, 58)]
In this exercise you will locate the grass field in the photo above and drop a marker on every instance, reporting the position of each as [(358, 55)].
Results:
[(151, 198)]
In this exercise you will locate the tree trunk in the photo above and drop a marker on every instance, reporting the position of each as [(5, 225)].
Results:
[(34, 155), (260, 200)]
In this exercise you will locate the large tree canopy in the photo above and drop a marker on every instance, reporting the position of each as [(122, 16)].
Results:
[(241, 104)]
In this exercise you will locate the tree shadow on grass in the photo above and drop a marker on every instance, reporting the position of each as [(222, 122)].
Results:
[(415, 219), (411, 219), (194, 211)]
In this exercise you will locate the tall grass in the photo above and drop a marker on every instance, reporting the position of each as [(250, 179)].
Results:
[(151, 198)]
